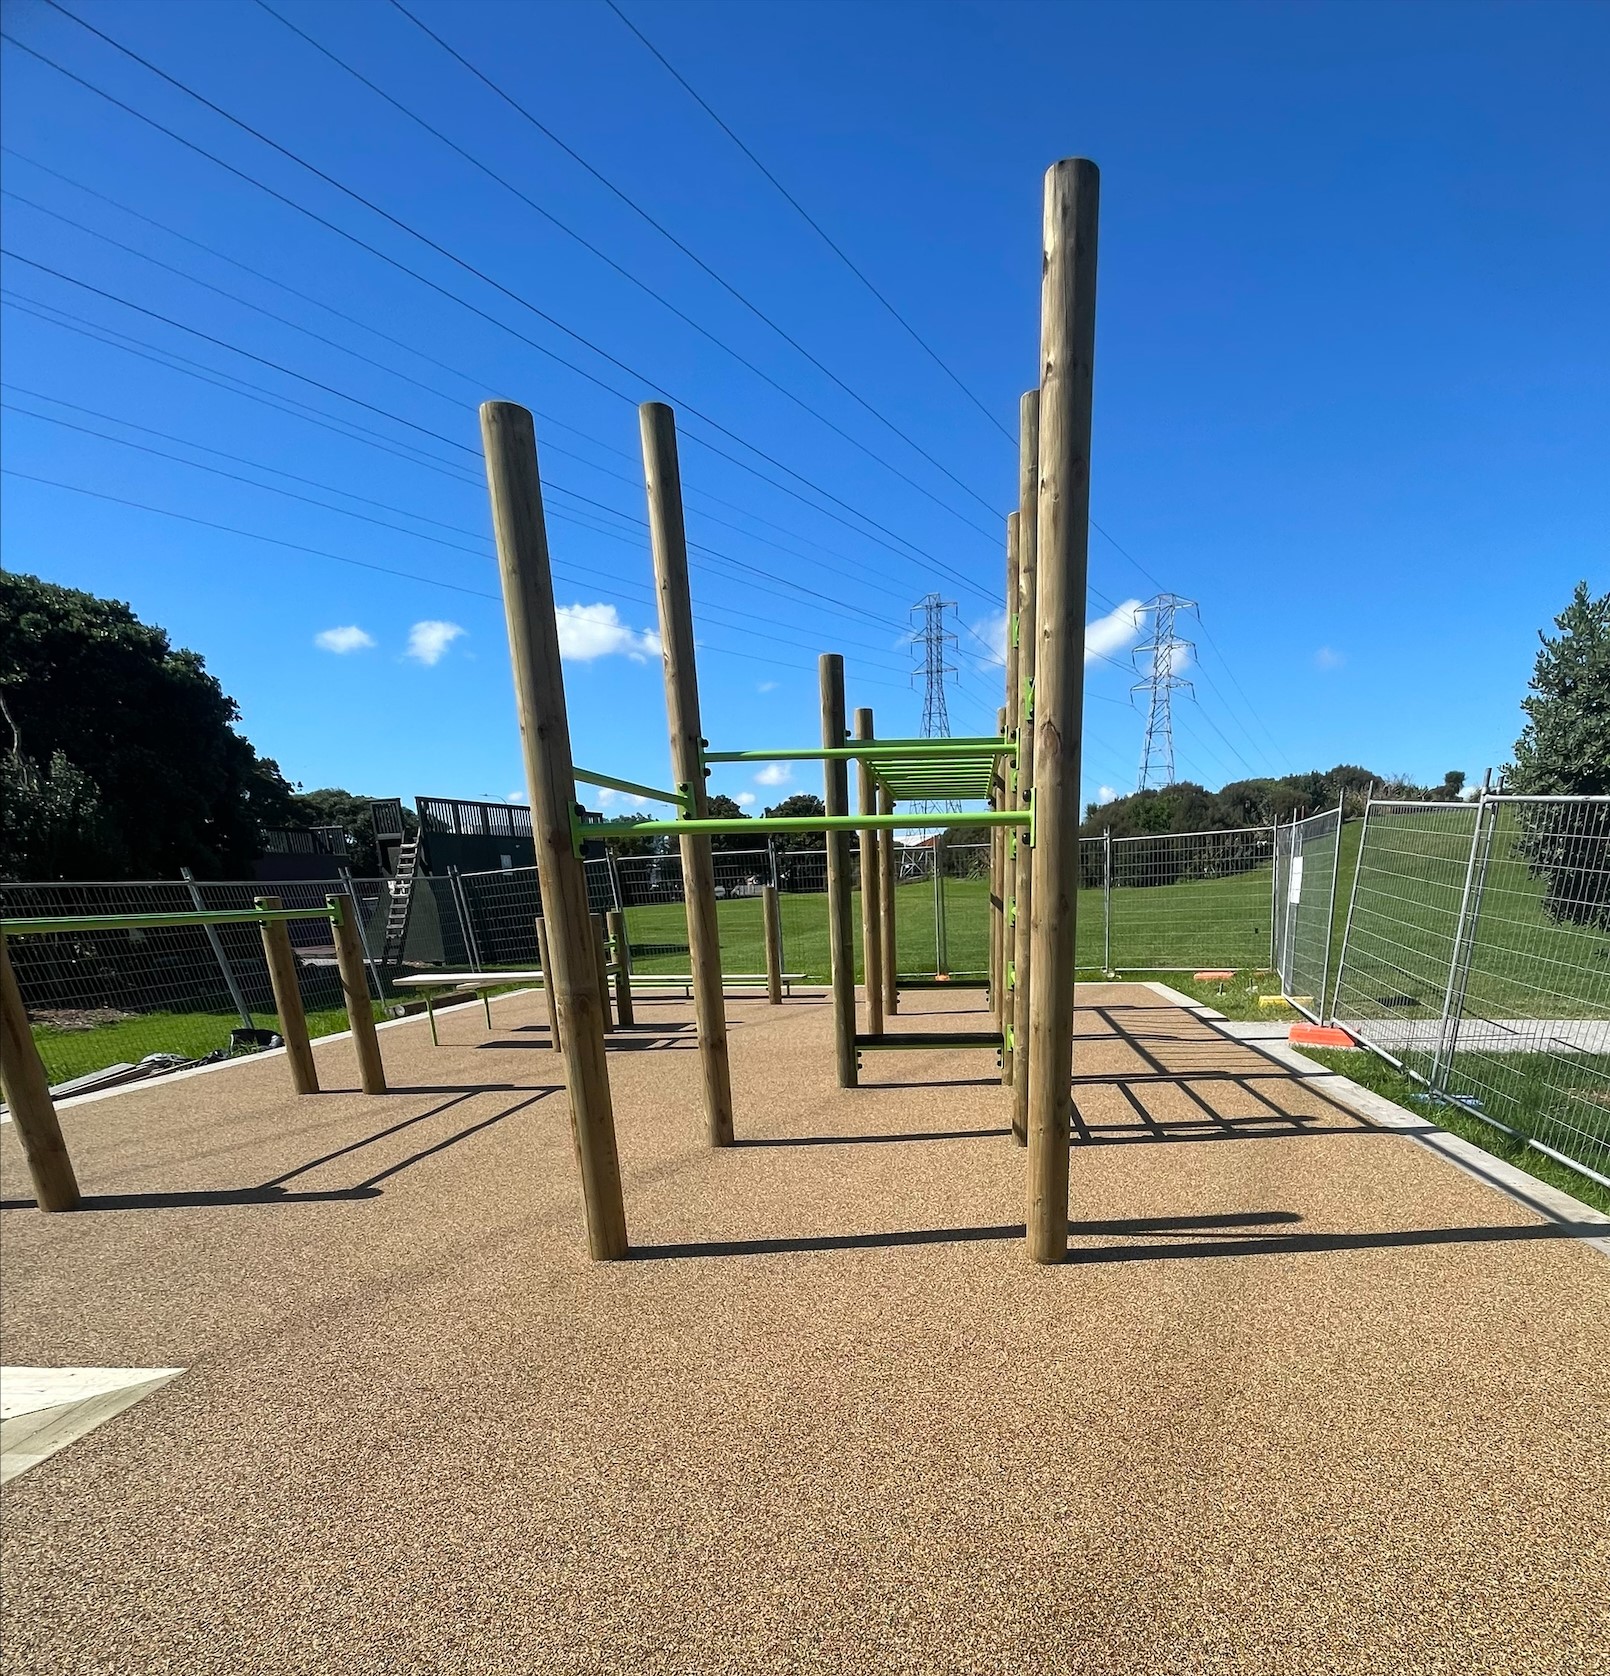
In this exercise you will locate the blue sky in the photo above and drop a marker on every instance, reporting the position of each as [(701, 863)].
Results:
[(1351, 363)]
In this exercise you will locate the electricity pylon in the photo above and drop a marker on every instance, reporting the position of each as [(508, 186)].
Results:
[(1166, 654), (932, 641)]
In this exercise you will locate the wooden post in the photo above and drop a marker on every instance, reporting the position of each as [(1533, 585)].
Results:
[(891, 970), (544, 961), (997, 903), (840, 919), (601, 967), (288, 999), (623, 967), (871, 889), (522, 541), (663, 475), (1067, 350), (772, 918), (1027, 548), (355, 992), (27, 1092), (1003, 782)]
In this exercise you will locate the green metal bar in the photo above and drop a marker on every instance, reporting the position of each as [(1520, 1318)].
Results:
[(808, 823), (871, 750), (143, 922), (588, 778)]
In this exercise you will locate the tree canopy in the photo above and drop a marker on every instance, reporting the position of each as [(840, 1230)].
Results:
[(119, 756)]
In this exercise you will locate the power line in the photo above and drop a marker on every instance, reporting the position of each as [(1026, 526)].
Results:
[(336, 558), (480, 382), (659, 227), (625, 273), (442, 290), (811, 222)]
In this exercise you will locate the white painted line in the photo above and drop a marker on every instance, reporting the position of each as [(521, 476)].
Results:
[(42, 1410)]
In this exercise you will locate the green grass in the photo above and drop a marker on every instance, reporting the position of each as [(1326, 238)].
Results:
[(1372, 1072), (75, 1053)]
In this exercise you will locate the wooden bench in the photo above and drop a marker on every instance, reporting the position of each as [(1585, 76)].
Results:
[(467, 984)]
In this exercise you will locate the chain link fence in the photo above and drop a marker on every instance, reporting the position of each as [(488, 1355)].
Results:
[(1477, 956)]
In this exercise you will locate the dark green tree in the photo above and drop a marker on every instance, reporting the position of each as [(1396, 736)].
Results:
[(722, 808), (800, 805), (333, 806), (1564, 750), (122, 756)]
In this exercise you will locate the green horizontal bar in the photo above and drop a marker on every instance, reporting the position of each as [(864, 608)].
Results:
[(808, 823), (588, 778), (918, 1040), (145, 922), (872, 749)]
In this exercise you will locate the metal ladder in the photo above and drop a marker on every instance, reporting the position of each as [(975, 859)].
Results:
[(402, 896)]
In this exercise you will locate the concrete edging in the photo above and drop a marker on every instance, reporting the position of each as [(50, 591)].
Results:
[(1537, 1196)]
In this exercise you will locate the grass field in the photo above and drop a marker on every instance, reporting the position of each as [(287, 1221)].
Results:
[(75, 1053)]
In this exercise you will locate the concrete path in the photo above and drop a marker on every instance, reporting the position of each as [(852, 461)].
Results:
[(1306, 1400)]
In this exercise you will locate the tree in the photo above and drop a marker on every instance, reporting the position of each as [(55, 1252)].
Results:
[(623, 846), (801, 805), (1564, 750), (722, 808), (104, 713), (352, 812)]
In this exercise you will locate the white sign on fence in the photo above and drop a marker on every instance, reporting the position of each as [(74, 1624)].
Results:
[(1294, 889)]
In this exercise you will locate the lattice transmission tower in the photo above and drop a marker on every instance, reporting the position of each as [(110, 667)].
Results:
[(1165, 654), (931, 642)]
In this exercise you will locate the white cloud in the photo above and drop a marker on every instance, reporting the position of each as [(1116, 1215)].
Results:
[(766, 687), (1115, 632), (428, 641), (1327, 658), (587, 632), (744, 799), (516, 797), (348, 639), (607, 799), (992, 631), (1105, 794), (774, 774)]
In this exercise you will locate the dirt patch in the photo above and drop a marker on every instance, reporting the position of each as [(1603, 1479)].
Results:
[(78, 1018)]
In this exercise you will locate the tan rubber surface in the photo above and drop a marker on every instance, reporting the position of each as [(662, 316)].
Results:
[(1306, 1400)]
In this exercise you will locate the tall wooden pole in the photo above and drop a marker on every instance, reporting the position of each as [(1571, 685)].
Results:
[(1005, 799), (891, 970), (522, 541), (871, 888), (772, 924), (1067, 350), (288, 999), (840, 921), (354, 972), (999, 896), (1022, 935), (601, 964), (616, 922), (663, 475), (27, 1092), (545, 961)]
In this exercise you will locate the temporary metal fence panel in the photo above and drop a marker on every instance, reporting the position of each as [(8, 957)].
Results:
[(1179, 901), (1304, 907), (111, 997), (1476, 955)]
